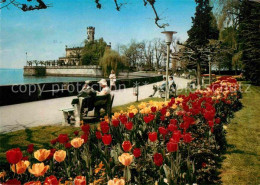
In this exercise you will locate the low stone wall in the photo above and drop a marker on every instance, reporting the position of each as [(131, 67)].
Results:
[(63, 71), (34, 71), (13, 94)]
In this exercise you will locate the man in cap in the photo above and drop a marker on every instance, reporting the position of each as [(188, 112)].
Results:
[(101, 99), (105, 89)]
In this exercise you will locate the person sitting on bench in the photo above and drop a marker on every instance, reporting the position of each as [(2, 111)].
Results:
[(87, 90), (162, 87), (105, 89), (171, 81), (89, 94), (102, 97)]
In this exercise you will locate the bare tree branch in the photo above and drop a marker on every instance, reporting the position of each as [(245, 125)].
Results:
[(157, 18), (7, 4)]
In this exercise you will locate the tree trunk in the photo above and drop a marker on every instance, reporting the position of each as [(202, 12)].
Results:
[(198, 75)]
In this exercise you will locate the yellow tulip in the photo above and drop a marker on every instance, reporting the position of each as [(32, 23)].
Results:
[(77, 142), (42, 154), (2, 175), (38, 169), (174, 106), (20, 167), (59, 155), (126, 159), (116, 182)]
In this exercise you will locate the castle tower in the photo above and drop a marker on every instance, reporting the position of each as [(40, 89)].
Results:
[(91, 33)]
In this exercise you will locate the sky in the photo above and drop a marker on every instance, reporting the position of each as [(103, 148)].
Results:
[(43, 34)]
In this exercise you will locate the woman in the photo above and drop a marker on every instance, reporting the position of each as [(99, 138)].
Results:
[(112, 78)]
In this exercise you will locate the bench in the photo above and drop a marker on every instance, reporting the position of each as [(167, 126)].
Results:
[(172, 91), (101, 102), (67, 113)]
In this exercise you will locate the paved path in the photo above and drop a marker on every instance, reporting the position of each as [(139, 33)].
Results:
[(46, 112)]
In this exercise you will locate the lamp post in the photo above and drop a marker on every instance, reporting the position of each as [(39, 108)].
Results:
[(168, 40), (26, 58), (136, 91)]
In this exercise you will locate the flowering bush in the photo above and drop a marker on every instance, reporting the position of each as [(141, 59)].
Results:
[(173, 142)]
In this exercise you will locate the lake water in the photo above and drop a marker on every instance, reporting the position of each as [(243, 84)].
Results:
[(15, 76)]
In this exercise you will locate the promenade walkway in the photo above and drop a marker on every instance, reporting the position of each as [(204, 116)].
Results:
[(46, 112)]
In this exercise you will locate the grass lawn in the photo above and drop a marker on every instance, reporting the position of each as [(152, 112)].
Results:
[(41, 136), (241, 164)]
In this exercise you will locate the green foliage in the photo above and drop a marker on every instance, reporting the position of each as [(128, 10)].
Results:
[(230, 53), (249, 39), (204, 26), (112, 60), (133, 53), (93, 51)]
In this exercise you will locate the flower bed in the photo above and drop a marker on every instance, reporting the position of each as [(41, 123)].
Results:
[(174, 142)]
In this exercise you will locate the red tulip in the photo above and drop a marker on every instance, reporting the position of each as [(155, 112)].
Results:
[(129, 125), (163, 131), (153, 109), (85, 137), (210, 123), (173, 121), (54, 141), (53, 150), (162, 118), (163, 111), (131, 115), (25, 158), (30, 148), (152, 136), (14, 155), (85, 128), (76, 133), (80, 180), (137, 152), (176, 136), (12, 182), (187, 138), (217, 120), (115, 122), (126, 145), (68, 145), (123, 118), (104, 127), (107, 139), (147, 119), (172, 127), (172, 146), (203, 165), (158, 159), (63, 138), (98, 135), (51, 180)]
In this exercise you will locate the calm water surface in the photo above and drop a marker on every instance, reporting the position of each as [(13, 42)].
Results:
[(15, 76)]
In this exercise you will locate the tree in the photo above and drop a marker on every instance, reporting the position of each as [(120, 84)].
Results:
[(75, 55), (148, 53), (93, 51), (112, 60), (133, 53), (226, 12), (200, 33), (159, 49), (249, 39)]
